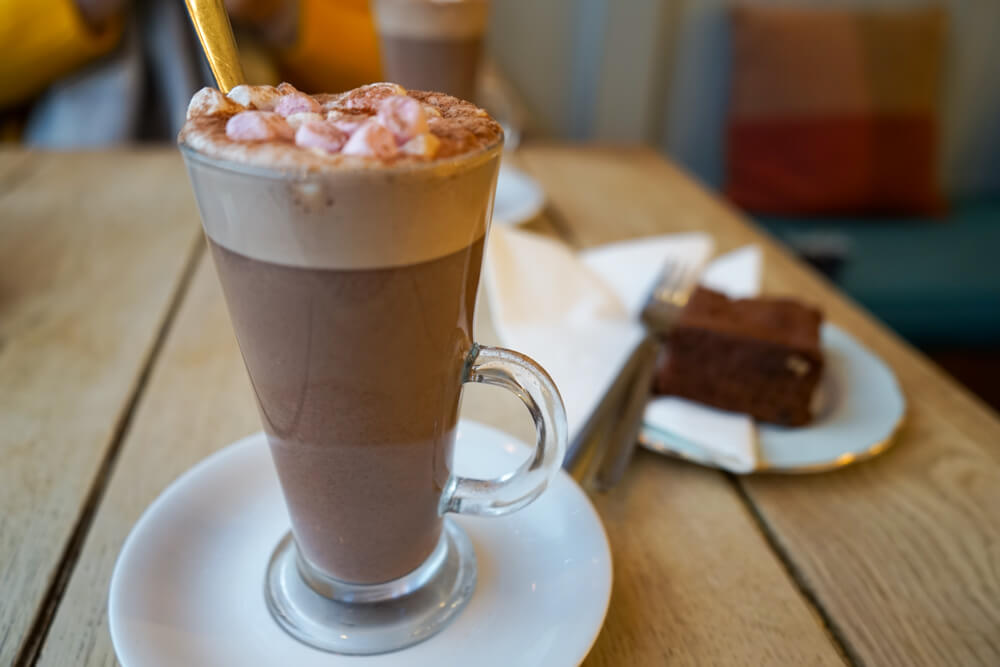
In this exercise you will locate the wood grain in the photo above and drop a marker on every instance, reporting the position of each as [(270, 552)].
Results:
[(694, 580), (901, 553), (197, 401), (668, 599), (87, 273)]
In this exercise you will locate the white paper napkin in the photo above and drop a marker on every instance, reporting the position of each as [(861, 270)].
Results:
[(577, 315)]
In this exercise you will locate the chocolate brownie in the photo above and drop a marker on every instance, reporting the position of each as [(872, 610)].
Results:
[(757, 356)]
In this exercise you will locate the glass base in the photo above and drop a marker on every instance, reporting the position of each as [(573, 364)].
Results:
[(358, 619)]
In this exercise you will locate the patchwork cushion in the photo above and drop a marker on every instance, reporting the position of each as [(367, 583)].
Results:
[(835, 111)]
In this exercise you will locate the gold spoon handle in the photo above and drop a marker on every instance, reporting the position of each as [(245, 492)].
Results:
[(216, 36)]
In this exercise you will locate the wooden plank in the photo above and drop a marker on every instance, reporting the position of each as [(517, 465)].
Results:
[(900, 552), (693, 570), (198, 400), (694, 581), (92, 249), (16, 166)]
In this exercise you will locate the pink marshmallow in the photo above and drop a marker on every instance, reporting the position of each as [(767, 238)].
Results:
[(403, 116), (320, 134), (366, 98), (296, 103), (372, 140), (258, 126), (349, 123)]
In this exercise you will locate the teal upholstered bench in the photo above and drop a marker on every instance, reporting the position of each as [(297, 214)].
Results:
[(936, 282)]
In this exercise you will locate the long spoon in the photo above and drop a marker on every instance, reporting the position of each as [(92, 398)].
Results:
[(216, 37)]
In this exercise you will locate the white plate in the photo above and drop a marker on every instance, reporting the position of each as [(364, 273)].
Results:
[(188, 586), (519, 197), (861, 409)]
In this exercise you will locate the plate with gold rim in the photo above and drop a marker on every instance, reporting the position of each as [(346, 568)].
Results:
[(861, 409)]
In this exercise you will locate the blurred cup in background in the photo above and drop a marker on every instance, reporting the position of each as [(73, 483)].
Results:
[(432, 44)]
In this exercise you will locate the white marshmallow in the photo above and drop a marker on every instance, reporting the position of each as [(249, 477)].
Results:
[(262, 98), (210, 102), (423, 145)]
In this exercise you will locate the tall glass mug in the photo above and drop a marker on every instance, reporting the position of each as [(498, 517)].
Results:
[(352, 291), (432, 44)]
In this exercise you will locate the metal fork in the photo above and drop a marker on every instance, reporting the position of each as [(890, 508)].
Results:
[(669, 296), (665, 302)]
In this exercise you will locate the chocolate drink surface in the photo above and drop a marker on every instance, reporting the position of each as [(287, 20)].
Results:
[(353, 426)]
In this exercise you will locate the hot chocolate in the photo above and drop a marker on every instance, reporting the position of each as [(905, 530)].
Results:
[(348, 235), (351, 280)]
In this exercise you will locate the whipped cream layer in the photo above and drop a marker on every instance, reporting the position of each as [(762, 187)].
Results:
[(456, 19), (375, 177)]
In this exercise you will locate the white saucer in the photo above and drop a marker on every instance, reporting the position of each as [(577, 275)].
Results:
[(519, 197), (188, 587), (862, 408)]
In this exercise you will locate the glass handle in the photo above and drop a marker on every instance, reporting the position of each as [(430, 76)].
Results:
[(514, 490)]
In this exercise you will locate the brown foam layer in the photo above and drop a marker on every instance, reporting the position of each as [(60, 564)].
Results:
[(461, 128)]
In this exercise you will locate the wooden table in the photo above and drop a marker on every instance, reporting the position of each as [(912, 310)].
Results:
[(119, 370)]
